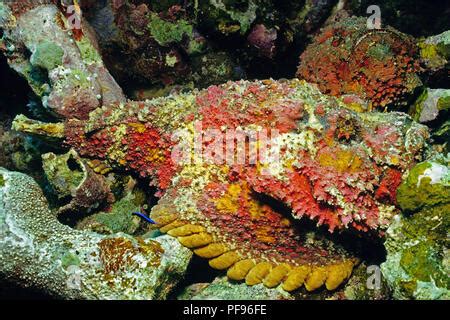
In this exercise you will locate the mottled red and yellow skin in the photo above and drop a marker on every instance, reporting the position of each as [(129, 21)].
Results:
[(379, 65), (337, 167), (347, 146)]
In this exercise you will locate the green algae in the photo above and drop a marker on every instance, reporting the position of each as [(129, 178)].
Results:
[(171, 61), (48, 55), (416, 109), (120, 218), (427, 231), (422, 262), (2, 181), (196, 47), (416, 265), (88, 53), (417, 261), (420, 190), (165, 32), (444, 103), (69, 259)]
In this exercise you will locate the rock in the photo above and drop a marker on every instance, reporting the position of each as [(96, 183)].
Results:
[(432, 108), (60, 68), (222, 289), (417, 264), (435, 51), (430, 105), (37, 251), (427, 185), (75, 183)]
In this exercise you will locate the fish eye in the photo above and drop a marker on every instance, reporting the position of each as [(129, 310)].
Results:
[(347, 128)]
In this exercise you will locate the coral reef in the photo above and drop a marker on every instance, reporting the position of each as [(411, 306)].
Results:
[(153, 44), (417, 262), (157, 45), (379, 65), (36, 250), (276, 184), (150, 46)]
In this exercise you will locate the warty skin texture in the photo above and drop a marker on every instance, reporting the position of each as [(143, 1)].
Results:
[(336, 167)]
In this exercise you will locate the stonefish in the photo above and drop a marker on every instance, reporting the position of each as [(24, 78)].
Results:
[(237, 165)]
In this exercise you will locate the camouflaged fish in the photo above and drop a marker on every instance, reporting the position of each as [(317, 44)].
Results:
[(313, 156)]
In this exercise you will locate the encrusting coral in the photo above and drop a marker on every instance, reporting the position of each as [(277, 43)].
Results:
[(311, 154)]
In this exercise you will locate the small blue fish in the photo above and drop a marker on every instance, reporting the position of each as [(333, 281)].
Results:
[(143, 216)]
